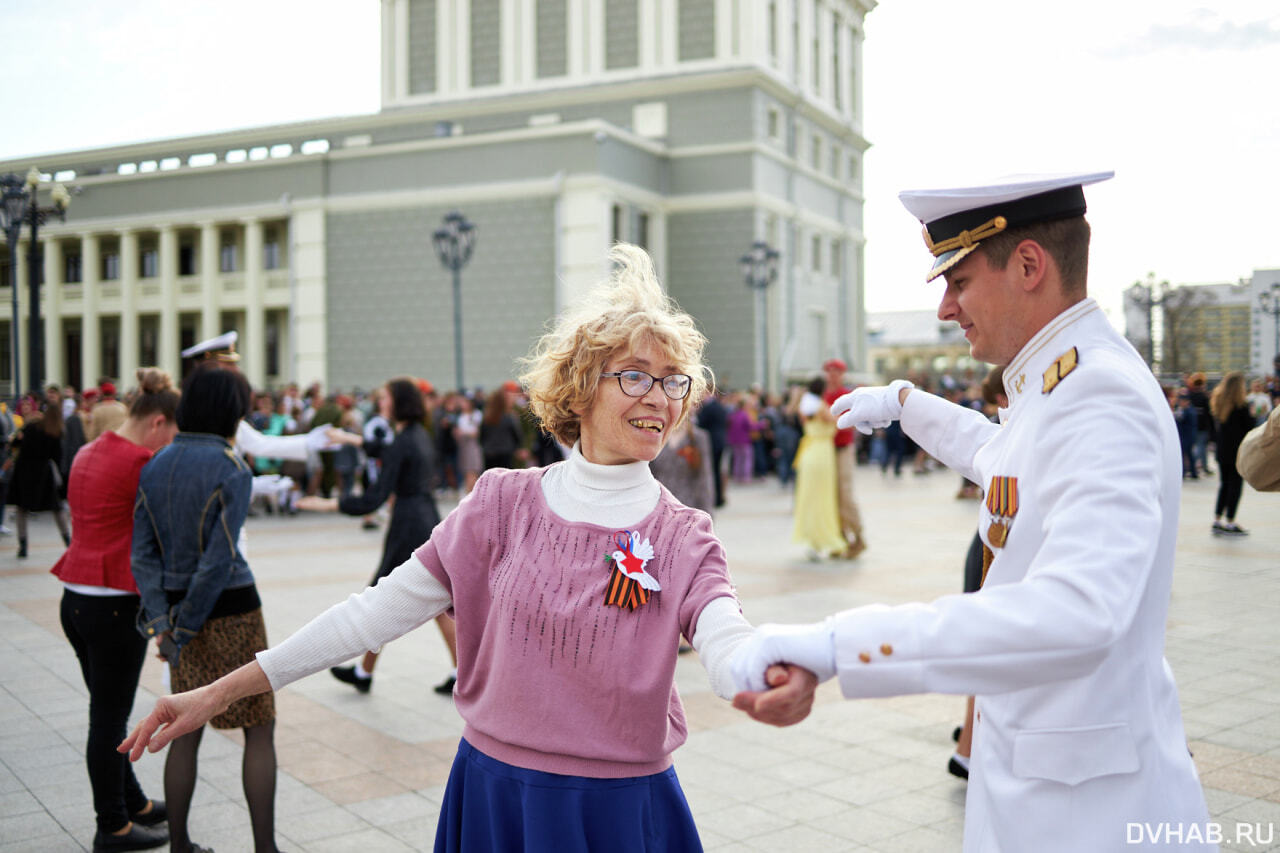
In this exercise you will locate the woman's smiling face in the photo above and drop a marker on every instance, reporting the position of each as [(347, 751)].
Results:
[(617, 429)]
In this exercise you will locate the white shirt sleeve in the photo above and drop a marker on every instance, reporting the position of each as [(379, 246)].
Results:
[(720, 630), (405, 599), (255, 443)]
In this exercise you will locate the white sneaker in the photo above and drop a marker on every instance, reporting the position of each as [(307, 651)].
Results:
[(4, 531)]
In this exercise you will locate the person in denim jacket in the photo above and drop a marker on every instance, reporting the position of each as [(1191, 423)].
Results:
[(198, 595)]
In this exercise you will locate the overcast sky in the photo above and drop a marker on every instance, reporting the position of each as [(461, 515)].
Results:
[(1179, 99)]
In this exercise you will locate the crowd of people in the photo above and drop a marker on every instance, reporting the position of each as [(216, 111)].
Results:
[(614, 439)]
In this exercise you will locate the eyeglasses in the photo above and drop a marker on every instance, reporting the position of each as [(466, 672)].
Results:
[(636, 383)]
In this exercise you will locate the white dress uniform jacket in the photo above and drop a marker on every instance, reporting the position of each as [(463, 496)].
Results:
[(1077, 733)]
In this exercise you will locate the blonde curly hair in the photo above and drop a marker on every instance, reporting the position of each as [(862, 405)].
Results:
[(622, 314)]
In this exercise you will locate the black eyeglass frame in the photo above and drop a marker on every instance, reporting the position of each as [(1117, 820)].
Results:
[(618, 374)]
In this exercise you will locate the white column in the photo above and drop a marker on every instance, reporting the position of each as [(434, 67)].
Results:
[(254, 344), (668, 33), (647, 36), (510, 56), (209, 281), (576, 12), (594, 46), (128, 306), (724, 29), (528, 41), (168, 343), (309, 328), (90, 328), (51, 296), (395, 51)]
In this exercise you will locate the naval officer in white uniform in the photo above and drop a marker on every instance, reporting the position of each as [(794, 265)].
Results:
[(222, 349), (1078, 734)]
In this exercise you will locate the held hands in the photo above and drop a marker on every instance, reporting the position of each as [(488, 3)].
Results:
[(788, 699), (871, 407), (177, 714), (809, 646)]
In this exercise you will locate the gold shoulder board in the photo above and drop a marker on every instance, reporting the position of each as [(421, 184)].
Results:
[(1058, 371)]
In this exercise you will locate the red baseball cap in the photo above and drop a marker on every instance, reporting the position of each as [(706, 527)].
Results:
[(835, 364)]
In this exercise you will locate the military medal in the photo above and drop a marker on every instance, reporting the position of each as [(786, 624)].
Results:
[(629, 584), (1002, 503), (997, 533)]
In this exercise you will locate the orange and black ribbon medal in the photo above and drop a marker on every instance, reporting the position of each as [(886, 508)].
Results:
[(1002, 503), (629, 584)]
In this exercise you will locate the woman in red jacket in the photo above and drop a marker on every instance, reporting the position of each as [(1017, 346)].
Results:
[(100, 604)]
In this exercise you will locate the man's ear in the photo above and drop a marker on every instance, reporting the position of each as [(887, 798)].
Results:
[(1031, 264)]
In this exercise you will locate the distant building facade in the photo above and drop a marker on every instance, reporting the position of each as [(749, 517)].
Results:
[(916, 344), (1214, 328), (690, 127)]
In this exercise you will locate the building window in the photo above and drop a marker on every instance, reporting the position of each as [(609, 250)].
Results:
[(111, 266), (227, 258), (836, 92), (837, 251), (642, 230), (817, 152), (774, 122), (836, 157), (186, 259), (273, 344), (72, 268), (815, 253), (615, 227), (149, 264), (817, 45), (271, 251), (773, 31), (148, 340), (853, 168)]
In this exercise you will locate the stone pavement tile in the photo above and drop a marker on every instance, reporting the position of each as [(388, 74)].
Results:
[(364, 841), (355, 789), (32, 825), (329, 822), (925, 840), (18, 802), (859, 789), (419, 833), (743, 821), (803, 772), (921, 810), (803, 805), (800, 839), (47, 844), (867, 827), (1238, 781), (380, 811)]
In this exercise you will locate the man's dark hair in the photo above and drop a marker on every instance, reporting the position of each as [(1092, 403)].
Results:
[(1065, 240), (406, 401), (213, 400)]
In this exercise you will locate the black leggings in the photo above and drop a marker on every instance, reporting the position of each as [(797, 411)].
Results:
[(110, 649), (1229, 489)]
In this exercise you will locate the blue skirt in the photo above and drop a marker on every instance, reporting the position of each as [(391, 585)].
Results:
[(490, 805)]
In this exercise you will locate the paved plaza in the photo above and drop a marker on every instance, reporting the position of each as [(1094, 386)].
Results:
[(366, 772)]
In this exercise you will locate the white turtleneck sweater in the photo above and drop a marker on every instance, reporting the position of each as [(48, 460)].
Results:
[(610, 495)]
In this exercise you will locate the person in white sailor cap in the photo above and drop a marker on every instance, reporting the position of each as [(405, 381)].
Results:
[(1078, 738), (222, 349)]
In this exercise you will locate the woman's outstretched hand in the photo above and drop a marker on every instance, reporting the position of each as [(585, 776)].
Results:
[(172, 717), (787, 699), (181, 713)]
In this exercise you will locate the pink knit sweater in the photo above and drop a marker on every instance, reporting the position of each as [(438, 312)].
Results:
[(549, 677)]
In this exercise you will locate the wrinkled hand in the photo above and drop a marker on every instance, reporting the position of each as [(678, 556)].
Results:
[(788, 701), (315, 503), (871, 407), (809, 646), (172, 717)]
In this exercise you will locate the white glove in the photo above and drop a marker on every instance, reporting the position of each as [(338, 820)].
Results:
[(872, 407), (318, 439), (810, 646)]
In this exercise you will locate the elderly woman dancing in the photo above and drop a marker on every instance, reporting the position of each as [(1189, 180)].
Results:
[(571, 586)]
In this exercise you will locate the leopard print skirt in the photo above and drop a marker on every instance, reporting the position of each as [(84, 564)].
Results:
[(223, 645)]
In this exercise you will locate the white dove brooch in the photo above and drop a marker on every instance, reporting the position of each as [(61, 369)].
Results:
[(629, 584)]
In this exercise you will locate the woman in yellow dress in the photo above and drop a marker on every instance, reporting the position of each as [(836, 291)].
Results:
[(817, 511)]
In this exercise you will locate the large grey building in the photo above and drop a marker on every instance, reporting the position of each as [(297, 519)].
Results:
[(691, 127)]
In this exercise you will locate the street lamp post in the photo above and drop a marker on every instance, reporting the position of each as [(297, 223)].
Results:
[(1144, 296), (454, 242), (1269, 302), (19, 203), (759, 270)]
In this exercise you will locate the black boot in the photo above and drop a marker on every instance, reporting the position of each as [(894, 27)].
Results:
[(22, 547)]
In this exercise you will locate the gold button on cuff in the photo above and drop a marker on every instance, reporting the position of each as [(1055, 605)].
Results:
[(886, 650), (151, 630), (864, 657)]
